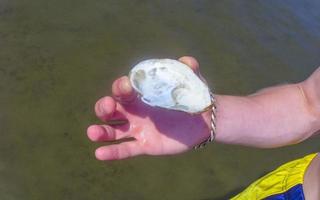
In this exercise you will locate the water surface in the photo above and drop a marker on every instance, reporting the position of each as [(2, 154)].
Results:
[(58, 57)]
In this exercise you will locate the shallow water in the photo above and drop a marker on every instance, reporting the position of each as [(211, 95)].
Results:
[(58, 57)]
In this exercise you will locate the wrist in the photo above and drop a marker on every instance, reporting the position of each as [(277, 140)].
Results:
[(209, 129), (206, 135)]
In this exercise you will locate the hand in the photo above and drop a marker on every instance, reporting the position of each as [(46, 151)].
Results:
[(155, 131)]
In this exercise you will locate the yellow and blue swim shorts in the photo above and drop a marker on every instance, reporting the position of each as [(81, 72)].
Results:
[(283, 183)]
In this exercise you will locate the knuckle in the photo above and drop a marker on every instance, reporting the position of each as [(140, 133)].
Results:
[(110, 133)]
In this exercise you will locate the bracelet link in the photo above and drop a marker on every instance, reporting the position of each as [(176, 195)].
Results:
[(213, 125)]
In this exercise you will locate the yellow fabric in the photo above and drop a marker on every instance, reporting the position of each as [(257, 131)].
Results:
[(278, 181)]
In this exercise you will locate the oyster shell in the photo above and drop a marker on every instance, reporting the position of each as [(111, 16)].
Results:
[(170, 84)]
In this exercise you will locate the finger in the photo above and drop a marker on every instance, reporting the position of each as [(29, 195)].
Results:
[(105, 108), (191, 62), (122, 90), (119, 151), (101, 133)]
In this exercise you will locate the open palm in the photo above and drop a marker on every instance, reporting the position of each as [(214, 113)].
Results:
[(154, 131)]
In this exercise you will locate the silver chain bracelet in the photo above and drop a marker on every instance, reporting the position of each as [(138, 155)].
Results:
[(212, 123)]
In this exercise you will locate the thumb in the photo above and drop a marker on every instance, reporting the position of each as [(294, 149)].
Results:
[(194, 65), (190, 62)]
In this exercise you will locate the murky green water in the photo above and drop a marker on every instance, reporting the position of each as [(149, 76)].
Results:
[(58, 57)]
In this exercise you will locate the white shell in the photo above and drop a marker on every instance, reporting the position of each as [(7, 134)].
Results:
[(170, 84)]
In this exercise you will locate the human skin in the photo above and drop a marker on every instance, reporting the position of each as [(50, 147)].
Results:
[(311, 183), (272, 117)]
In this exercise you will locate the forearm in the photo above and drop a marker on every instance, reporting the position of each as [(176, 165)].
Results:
[(273, 117)]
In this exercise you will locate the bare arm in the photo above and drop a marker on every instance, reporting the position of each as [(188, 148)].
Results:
[(272, 117)]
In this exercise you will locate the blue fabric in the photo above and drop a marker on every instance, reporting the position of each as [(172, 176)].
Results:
[(294, 193)]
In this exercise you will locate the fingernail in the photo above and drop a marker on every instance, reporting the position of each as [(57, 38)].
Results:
[(125, 86)]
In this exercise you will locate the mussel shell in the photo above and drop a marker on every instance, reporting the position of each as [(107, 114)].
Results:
[(170, 84)]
